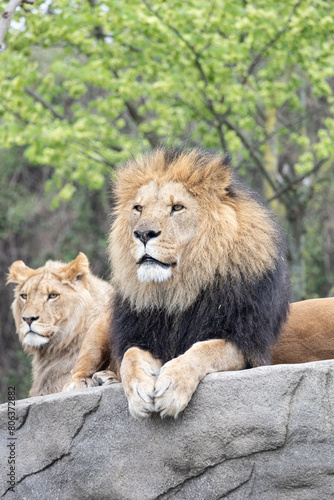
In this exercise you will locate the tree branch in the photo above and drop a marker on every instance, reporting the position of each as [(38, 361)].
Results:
[(132, 48), (198, 64), (269, 44), (298, 179), (7, 16), (46, 104), (118, 149), (291, 125), (251, 152), (196, 111), (137, 119), (210, 13), (151, 136), (17, 115), (179, 35), (104, 161)]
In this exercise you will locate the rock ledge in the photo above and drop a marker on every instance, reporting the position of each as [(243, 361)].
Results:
[(262, 434)]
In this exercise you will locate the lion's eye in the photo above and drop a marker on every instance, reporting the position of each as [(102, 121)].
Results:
[(138, 208), (177, 208), (23, 296), (53, 295)]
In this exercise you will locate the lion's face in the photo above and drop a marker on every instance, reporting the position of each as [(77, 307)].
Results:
[(47, 302), (179, 222), (163, 221), (43, 309)]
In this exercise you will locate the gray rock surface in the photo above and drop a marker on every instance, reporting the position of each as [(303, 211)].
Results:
[(262, 434)]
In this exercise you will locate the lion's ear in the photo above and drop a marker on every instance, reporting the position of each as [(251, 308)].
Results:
[(19, 272), (213, 177), (218, 174), (77, 269)]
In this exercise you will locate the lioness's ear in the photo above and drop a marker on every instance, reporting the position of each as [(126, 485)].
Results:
[(19, 272), (77, 269)]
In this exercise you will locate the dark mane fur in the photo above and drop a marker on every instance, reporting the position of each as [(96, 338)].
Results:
[(249, 315)]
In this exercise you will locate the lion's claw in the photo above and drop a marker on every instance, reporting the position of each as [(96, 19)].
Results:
[(163, 387), (141, 403), (174, 388), (105, 377), (140, 394), (78, 384)]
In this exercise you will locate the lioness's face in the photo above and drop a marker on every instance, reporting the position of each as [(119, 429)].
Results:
[(163, 222), (39, 310)]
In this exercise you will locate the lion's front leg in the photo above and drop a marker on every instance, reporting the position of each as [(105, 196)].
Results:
[(139, 370), (94, 353), (179, 378)]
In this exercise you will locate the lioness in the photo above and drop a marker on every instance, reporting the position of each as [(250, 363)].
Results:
[(54, 307), (201, 283), (308, 334)]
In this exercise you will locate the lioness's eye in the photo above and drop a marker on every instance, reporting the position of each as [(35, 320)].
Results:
[(177, 208), (23, 296), (53, 295), (138, 208)]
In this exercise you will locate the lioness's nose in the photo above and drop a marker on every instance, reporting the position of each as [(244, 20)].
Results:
[(144, 236), (30, 320)]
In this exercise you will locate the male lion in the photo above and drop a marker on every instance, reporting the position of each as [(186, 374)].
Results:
[(201, 284), (54, 307)]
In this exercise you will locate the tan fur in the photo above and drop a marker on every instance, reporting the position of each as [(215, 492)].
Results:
[(192, 241), (62, 321), (216, 234), (139, 371), (95, 353), (308, 334), (168, 390), (179, 378)]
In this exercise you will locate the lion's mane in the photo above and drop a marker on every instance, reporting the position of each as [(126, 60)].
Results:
[(232, 282)]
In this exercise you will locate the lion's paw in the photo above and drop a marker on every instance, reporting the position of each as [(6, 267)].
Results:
[(141, 398), (105, 377), (174, 387), (140, 393), (75, 384), (139, 371)]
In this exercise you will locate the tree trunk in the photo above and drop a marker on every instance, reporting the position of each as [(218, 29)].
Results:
[(296, 243)]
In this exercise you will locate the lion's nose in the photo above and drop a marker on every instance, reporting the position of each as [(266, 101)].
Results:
[(144, 236), (30, 319)]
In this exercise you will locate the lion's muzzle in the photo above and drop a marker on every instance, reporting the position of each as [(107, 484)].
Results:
[(144, 236)]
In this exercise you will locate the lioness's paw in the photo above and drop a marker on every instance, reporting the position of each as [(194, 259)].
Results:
[(105, 377), (174, 387), (75, 384)]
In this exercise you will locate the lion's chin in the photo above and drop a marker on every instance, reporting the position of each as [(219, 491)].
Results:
[(35, 340), (147, 272)]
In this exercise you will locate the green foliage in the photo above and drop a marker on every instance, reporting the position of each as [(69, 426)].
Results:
[(86, 85), (111, 78), (18, 375)]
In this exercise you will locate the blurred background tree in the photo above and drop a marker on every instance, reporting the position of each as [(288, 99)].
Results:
[(85, 85)]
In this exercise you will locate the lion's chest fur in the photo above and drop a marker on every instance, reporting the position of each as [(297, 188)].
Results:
[(246, 313), (51, 370)]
